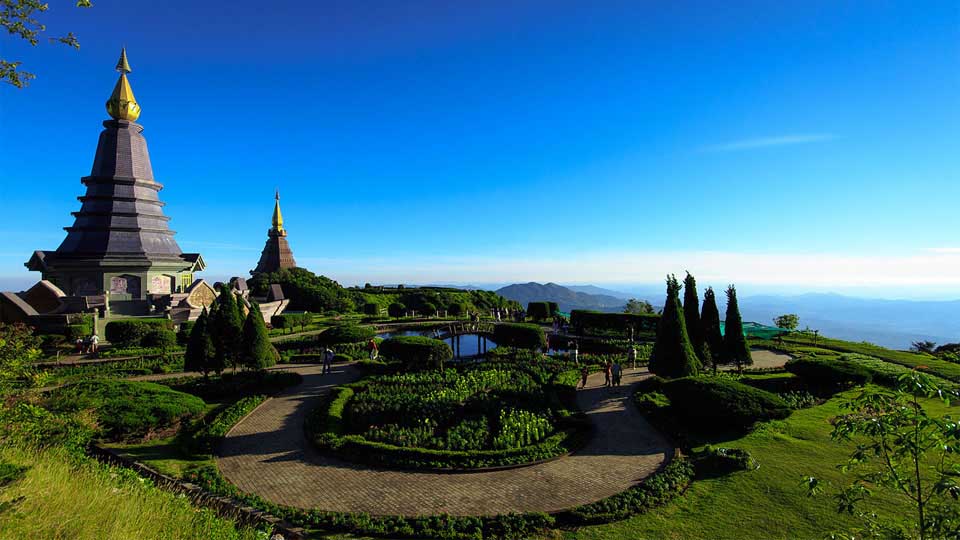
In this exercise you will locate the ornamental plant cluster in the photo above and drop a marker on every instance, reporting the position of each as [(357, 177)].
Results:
[(468, 417), (227, 337), (460, 409), (689, 339)]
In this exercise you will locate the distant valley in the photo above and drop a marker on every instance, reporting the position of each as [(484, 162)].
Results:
[(890, 323)]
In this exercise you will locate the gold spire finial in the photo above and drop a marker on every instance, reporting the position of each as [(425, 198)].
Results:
[(122, 105), (277, 216), (122, 65)]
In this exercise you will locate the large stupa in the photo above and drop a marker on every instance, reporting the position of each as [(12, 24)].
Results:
[(120, 248), (276, 253)]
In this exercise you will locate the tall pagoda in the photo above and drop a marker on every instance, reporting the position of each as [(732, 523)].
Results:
[(120, 246), (276, 253)]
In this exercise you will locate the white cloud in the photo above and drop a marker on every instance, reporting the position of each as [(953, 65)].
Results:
[(944, 250), (765, 142)]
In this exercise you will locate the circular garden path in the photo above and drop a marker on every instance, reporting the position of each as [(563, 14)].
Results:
[(268, 454)]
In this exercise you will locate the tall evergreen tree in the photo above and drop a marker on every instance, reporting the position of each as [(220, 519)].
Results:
[(672, 354), (691, 316), (200, 355), (227, 329), (734, 343), (256, 352), (710, 328)]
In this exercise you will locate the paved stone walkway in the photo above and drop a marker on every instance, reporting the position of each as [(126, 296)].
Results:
[(268, 454)]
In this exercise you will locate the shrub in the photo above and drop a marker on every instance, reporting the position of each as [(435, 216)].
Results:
[(396, 309), (347, 333), (74, 332), (823, 373), (589, 322), (129, 332), (711, 404), (230, 386), (342, 358), (538, 311), (183, 333), (371, 308), (457, 309), (652, 492), (126, 409), (522, 336), (417, 352), (159, 338), (25, 424), (206, 438), (712, 462)]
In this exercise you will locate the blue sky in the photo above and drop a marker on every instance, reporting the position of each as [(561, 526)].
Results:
[(796, 145)]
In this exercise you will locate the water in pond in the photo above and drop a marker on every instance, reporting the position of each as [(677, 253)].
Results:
[(468, 342)]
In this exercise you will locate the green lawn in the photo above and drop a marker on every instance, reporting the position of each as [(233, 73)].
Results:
[(89, 501), (767, 503)]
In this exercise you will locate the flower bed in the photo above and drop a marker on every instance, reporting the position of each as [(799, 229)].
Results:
[(467, 418)]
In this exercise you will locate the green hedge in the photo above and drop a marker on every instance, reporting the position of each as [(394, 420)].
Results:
[(206, 438), (586, 322), (825, 373), (654, 491), (347, 333), (417, 352), (519, 335), (289, 321), (126, 410), (710, 404), (129, 332), (538, 311), (160, 338)]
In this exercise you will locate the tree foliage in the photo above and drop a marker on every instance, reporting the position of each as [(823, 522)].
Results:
[(256, 352), (710, 328), (787, 321), (201, 356), (18, 349), (226, 327), (735, 345), (638, 307), (538, 311), (306, 290), (19, 18), (691, 316), (902, 450), (672, 354)]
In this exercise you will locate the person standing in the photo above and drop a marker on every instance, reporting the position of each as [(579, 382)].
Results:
[(94, 343), (576, 353), (633, 356), (327, 361), (584, 373), (374, 350), (617, 373), (608, 374)]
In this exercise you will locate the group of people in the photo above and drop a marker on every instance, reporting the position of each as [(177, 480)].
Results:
[(88, 345), (612, 372)]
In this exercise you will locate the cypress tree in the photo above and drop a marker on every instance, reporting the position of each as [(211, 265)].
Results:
[(710, 328), (256, 352), (672, 354), (200, 354), (691, 316), (734, 342), (228, 329)]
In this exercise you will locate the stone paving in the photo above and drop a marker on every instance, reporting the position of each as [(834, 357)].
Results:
[(268, 454)]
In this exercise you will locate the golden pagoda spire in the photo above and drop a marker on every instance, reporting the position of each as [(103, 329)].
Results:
[(122, 105), (277, 216)]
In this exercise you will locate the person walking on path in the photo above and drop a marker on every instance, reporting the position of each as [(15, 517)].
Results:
[(617, 373), (327, 362), (608, 374), (633, 356), (374, 350), (94, 343), (584, 373), (576, 353)]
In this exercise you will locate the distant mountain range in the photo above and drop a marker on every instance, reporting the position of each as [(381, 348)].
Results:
[(890, 323), (566, 297)]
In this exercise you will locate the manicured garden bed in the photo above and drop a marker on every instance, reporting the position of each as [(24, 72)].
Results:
[(490, 415)]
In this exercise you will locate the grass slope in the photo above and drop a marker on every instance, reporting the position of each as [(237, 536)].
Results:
[(56, 500), (767, 503)]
